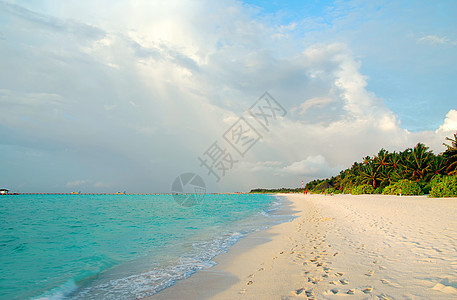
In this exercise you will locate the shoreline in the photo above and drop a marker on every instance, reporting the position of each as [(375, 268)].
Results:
[(212, 280), (364, 246)]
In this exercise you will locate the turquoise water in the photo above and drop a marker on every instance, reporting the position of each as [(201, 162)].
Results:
[(116, 246)]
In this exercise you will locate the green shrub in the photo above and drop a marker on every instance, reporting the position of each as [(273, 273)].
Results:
[(426, 187), (363, 189), (408, 187), (347, 189), (322, 186), (332, 190), (437, 179), (389, 190), (378, 190), (445, 186)]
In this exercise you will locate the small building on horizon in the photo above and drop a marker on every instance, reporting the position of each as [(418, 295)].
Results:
[(4, 191)]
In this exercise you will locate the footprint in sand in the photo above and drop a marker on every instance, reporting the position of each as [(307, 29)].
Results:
[(445, 287), (327, 269), (344, 281), (369, 273), (309, 293), (313, 280), (385, 281), (249, 282), (368, 290)]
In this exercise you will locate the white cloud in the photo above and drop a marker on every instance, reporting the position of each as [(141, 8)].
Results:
[(313, 165), (76, 183), (100, 184), (450, 122), (260, 166), (319, 102), (141, 90), (436, 40)]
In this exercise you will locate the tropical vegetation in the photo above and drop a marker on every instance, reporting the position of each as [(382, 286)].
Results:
[(413, 171)]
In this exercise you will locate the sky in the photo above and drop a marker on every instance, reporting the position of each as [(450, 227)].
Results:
[(107, 96)]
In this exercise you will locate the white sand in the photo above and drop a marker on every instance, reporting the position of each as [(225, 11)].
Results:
[(358, 247)]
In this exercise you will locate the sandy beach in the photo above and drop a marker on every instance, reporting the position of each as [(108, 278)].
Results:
[(358, 247)]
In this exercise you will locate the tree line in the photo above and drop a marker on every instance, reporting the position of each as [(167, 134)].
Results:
[(413, 171)]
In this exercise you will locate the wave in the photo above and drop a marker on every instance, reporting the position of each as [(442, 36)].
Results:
[(157, 279), (60, 292), (172, 259)]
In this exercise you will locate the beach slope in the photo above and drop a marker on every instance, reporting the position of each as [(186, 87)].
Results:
[(359, 247)]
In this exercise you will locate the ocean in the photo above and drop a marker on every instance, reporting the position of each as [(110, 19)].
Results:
[(117, 246)]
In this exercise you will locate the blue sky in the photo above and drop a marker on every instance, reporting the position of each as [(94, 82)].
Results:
[(400, 43), (121, 95)]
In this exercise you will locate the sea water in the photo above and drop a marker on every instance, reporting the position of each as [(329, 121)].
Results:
[(116, 246)]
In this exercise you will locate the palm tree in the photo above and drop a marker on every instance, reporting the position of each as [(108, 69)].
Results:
[(451, 161), (389, 176), (418, 162), (381, 160), (382, 165), (394, 160), (453, 141), (367, 160), (348, 177), (438, 166), (369, 174), (450, 156), (400, 162)]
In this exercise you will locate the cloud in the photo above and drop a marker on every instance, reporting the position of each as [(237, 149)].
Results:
[(76, 183), (312, 166), (133, 94), (450, 122), (314, 102), (315, 165), (102, 185), (51, 23), (436, 40)]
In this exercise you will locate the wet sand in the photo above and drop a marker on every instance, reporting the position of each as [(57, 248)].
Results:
[(358, 247)]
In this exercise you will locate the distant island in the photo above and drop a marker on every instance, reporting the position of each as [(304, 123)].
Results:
[(414, 171)]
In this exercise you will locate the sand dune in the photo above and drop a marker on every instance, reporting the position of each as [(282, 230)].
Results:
[(358, 247)]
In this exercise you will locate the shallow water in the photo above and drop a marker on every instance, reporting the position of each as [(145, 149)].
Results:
[(116, 246)]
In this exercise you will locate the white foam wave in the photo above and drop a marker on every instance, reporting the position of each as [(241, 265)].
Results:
[(155, 280), (60, 292)]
